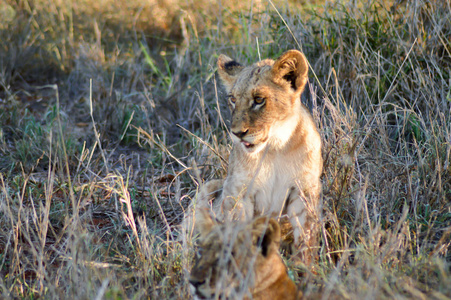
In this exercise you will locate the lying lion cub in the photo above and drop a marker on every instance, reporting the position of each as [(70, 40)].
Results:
[(240, 260), (275, 164)]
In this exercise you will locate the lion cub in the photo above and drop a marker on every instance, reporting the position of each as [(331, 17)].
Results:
[(240, 260), (275, 164)]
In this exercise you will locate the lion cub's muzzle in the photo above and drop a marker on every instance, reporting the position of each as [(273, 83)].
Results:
[(240, 135)]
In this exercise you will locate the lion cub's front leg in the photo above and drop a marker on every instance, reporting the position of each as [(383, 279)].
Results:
[(236, 203), (225, 199), (207, 198), (209, 193)]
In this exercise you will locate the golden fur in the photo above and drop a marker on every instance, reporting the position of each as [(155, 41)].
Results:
[(240, 260), (275, 164)]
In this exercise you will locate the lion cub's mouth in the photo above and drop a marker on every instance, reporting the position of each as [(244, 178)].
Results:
[(253, 148), (247, 145)]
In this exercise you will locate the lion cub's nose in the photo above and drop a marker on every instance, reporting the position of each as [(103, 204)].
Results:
[(240, 134), (196, 283)]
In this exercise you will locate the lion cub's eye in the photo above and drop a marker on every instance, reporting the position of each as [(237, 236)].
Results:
[(199, 252), (232, 99), (259, 100)]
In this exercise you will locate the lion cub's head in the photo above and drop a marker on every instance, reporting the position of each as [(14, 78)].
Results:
[(264, 98), (240, 260)]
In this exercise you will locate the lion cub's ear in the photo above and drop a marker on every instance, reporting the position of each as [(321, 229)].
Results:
[(266, 234), (291, 66), (228, 69), (204, 222)]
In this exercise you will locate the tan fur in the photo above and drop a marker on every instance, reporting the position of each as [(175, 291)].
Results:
[(240, 260), (275, 164)]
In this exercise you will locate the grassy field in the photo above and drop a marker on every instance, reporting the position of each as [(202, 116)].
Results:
[(111, 116)]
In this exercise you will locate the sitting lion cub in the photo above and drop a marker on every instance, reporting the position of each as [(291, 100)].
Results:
[(240, 260), (275, 163)]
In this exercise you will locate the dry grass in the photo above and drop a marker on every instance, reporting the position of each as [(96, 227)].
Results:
[(110, 114)]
